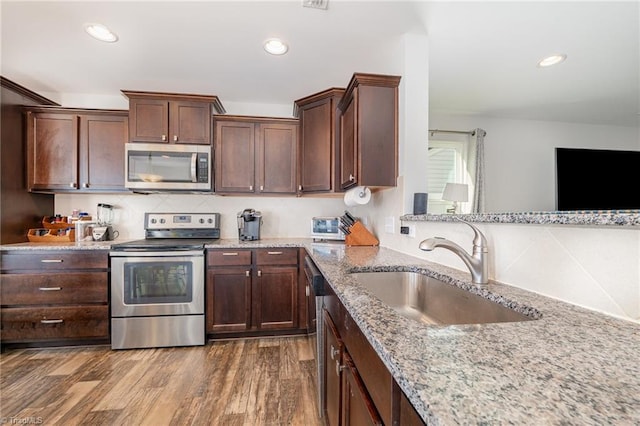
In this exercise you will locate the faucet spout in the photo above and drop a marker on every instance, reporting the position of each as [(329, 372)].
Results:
[(476, 262)]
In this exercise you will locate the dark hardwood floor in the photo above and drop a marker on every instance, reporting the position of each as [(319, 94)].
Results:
[(267, 381)]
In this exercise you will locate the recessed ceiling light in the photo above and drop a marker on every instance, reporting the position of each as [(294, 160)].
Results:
[(275, 46), (100, 32), (552, 60)]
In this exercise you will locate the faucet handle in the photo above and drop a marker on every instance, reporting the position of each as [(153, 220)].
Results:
[(479, 239)]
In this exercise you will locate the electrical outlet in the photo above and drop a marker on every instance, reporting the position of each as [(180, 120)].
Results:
[(409, 230)]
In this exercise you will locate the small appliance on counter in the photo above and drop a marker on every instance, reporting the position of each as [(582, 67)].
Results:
[(249, 222), (104, 231), (327, 228)]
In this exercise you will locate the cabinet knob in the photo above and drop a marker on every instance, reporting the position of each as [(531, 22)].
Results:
[(259, 273), (339, 368), (250, 187), (351, 178), (175, 138), (247, 273), (261, 187), (164, 137), (299, 187), (72, 185), (85, 185)]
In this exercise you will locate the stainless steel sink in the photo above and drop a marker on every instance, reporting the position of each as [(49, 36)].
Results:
[(431, 301)]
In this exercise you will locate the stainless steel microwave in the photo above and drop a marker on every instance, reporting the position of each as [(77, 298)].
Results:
[(168, 167)]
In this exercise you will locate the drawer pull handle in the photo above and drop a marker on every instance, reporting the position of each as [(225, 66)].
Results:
[(230, 254), (49, 288), (274, 252), (54, 321), (51, 261), (339, 368)]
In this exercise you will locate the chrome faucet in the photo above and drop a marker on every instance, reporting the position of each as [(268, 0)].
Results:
[(477, 262)]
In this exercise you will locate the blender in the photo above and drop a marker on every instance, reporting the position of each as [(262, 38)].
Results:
[(103, 231)]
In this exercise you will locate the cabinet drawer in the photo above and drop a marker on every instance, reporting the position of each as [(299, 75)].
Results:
[(49, 289), (229, 257), (51, 261), (277, 256), (30, 324)]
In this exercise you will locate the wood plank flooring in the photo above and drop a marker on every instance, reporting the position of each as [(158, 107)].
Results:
[(266, 381)]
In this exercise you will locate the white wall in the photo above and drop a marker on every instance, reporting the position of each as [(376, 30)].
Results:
[(520, 159)]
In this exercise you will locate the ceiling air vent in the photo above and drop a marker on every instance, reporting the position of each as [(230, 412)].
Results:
[(316, 4)]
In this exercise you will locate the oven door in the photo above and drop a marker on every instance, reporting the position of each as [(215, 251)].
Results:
[(157, 283)]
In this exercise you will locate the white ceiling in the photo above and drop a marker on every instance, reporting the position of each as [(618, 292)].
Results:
[(482, 55)]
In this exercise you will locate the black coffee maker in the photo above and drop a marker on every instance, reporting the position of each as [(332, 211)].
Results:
[(249, 222)]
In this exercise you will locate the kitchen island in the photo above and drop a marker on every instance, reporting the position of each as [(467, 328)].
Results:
[(570, 365)]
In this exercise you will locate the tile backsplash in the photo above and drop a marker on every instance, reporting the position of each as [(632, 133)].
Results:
[(282, 216)]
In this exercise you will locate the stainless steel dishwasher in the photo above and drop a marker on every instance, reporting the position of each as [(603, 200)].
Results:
[(315, 286)]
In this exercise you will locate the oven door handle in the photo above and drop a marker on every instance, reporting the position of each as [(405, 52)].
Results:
[(142, 253)]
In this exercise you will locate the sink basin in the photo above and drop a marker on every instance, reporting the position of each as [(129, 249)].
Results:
[(431, 301)]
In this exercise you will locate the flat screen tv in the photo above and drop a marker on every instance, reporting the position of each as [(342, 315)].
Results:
[(597, 179)]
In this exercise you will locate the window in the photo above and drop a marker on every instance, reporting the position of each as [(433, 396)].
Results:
[(446, 162)]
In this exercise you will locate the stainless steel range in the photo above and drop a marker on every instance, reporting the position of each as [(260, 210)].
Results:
[(157, 284)]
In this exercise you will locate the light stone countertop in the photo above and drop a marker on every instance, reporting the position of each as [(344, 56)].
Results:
[(569, 366)]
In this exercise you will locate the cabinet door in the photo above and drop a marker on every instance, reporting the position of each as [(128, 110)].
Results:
[(275, 297), (52, 151), (349, 144), (102, 141), (315, 147), (234, 157), (277, 158), (148, 120), (357, 408), (190, 122), (333, 348), (228, 299)]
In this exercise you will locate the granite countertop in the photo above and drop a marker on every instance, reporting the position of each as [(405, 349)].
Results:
[(569, 366)]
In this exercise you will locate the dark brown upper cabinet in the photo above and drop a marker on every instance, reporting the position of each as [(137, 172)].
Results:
[(171, 118), (319, 157), (255, 155), (75, 149), (368, 129)]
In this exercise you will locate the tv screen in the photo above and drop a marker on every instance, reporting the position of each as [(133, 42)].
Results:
[(597, 179)]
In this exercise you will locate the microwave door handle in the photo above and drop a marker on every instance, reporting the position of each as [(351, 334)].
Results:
[(194, 163)]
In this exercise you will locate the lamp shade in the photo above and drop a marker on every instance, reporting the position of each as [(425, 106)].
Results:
[(456, 192)]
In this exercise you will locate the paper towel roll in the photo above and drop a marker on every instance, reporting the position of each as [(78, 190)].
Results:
[(357, 196)]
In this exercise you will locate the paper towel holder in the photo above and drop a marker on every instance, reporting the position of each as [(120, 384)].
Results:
[(361, 193)]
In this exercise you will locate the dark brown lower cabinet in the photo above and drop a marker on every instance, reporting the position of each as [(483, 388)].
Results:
[(359, 389), (254, 292), (52, 298), (229, 300), (358, 409), (347, 399)]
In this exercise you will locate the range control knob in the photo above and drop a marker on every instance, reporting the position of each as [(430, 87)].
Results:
[(210, 220), (162, 221), (153, 221), (201, 220)]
